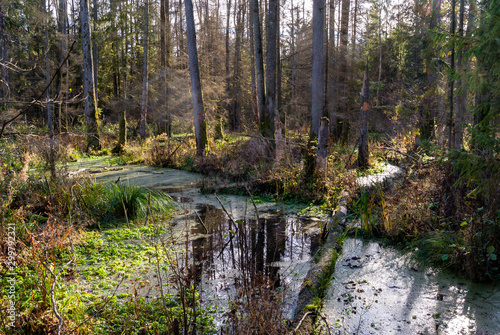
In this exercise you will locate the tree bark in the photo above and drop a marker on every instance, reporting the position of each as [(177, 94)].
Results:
[(200, 131), (344, 31), (228, 73), (63, 30), (165, 59), (272, 19), (95, 53), (48, 108), (255, 105), (90, 104), (317, 87), (144, 105), (332, 102), (452, 74), (236, 91), (363, 122), (259, 65), (319, 125), (4, 89), (430, 102), (461, 92)]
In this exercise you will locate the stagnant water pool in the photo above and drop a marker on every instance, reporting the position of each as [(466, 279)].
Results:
[(380, 290)]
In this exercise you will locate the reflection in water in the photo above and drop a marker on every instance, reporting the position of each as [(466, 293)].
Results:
[(228, 257)]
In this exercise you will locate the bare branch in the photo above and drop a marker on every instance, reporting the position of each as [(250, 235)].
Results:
[(5, 123)]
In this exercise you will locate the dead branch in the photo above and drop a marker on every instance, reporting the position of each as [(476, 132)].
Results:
[(300, 322), (5, 123), (230, 227), (253, 203), (54, 281), (401, 153), (175, 150), (201, 221)]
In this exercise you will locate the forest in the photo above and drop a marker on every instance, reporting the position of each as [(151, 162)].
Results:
[(208, 166)]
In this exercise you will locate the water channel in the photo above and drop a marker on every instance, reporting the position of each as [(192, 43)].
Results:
[(224, 252), (376, 290)]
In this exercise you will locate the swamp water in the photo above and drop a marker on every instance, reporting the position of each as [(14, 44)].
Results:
[(376, 290), (380, 290), (223, 253)]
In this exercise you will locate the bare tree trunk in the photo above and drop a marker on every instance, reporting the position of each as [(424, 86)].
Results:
[(452, 80), (259, 64), (95, 54), (144, 105), (280, 130), (181, 31), (279, 100), (344, 31), (319, 126), (332, 101), (354, 31), (317, 88), (462, 92), (50, 124), (228, 78), (236, 105), (48, 108), (63, 30), (363, 153), (4, 89), (90, 104), (165, 59), (270, 111), (255, 105), (315, 164), (292, 74), (379, 54), (431, 96), (200, 130)]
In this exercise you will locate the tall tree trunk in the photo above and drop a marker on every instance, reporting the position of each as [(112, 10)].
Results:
[(255, 106), (379, 55), (63, 31), (292, 72), (280, 129), (440, 117), (4, 84), (259, 65), (279, 97), (228, 76), (270, 110), (452, 75), (431, 96), (363, 153), (332, 101), (144, 105), (200, 130), (317, 88), (50, 124), (319, 125), (344, 31), (236, 91), (48, 108), (181, 32), (114, 46), (95, 54), (354, 31), (165, 41), (461, 92), (90, 104)]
